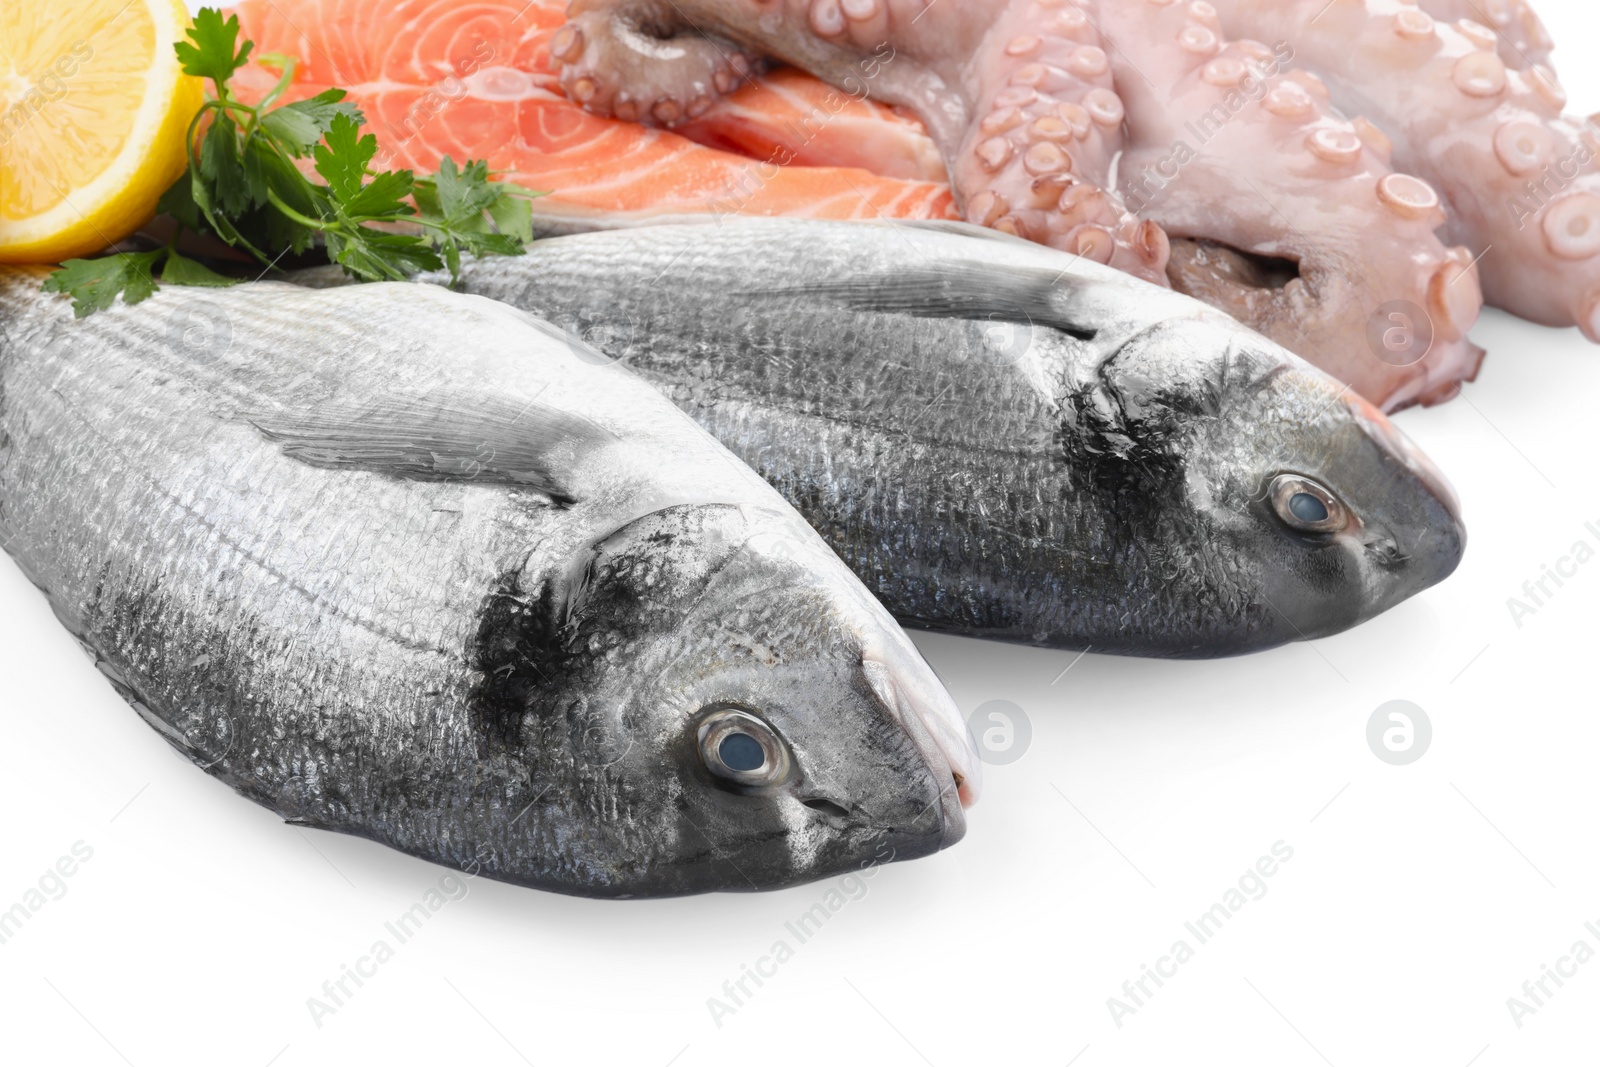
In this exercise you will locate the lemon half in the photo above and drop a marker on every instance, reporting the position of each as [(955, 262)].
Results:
[(94, 110)]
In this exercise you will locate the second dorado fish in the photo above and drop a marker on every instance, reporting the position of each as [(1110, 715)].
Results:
[(1008, 441)]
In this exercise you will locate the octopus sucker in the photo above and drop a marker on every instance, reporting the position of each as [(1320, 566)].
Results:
[(1314, 169), (1485, 129), (1314, 231), (1050, 127), (672, 76), (1030, 115), (1512, 27)]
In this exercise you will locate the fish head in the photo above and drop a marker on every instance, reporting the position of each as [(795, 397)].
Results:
[(762, 720), (1362, 518), (1284, 506)]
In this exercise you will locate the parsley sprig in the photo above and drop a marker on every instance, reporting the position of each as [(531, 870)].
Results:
[(243, 186)]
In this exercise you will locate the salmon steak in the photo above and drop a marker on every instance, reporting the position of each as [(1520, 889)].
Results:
[(476, 80)]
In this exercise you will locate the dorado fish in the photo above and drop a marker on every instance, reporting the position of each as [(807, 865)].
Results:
[(411, 565), (1007, 441)]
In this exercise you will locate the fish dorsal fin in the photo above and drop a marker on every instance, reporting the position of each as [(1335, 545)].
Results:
[(968, 289), (960, 229), (431, 438)]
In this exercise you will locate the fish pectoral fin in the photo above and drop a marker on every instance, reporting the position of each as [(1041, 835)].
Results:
[(968, 289), (525, 446)]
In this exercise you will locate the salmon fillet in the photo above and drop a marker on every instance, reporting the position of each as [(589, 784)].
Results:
[(473, 79)]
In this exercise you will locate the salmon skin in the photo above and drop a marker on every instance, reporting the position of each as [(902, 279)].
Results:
[(1006, 441), (436, 78), (411, 565)]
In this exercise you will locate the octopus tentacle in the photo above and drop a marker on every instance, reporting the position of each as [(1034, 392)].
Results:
[(1037, 161), (615, 60), (1231, 151), (1028, 121), (1517, 176), (1520, 36)]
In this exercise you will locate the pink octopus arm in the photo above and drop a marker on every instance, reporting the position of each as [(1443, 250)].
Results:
[(1017, 93), (1519, 179), (1521, 38), (1232, 150)]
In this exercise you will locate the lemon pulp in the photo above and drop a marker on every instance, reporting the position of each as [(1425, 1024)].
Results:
[(94, 109)]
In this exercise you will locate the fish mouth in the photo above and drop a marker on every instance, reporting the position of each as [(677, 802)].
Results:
[(1406, 532), (1430, 553), (930, 717)]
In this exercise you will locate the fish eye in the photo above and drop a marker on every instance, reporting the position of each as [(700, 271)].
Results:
[(742, 753), (742, 749), (1307, 506)]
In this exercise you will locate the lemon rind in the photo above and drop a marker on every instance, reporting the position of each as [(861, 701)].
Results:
[(122, 197)]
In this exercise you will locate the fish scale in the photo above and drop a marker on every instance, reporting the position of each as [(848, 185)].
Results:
[(246, 535), (789, 424), (1006, 441)]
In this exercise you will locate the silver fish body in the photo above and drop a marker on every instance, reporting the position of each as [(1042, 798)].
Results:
[(402, 563), (1006, 441)]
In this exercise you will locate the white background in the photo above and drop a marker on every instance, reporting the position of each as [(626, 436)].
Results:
[(1418, 899)]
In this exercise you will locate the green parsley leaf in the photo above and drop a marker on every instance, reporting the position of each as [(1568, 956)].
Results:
[(379, 256), (494, 244), (212, 54), (94, 284), (234, 190), (463, 194), (219, 222), (299, 126), (343, 159), (512, 213), (383, 197), (274, 228), (244, 186), (178, 201), (181, 270), (461, 209)]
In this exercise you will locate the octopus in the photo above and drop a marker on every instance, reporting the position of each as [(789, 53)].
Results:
[(1351, 178)]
